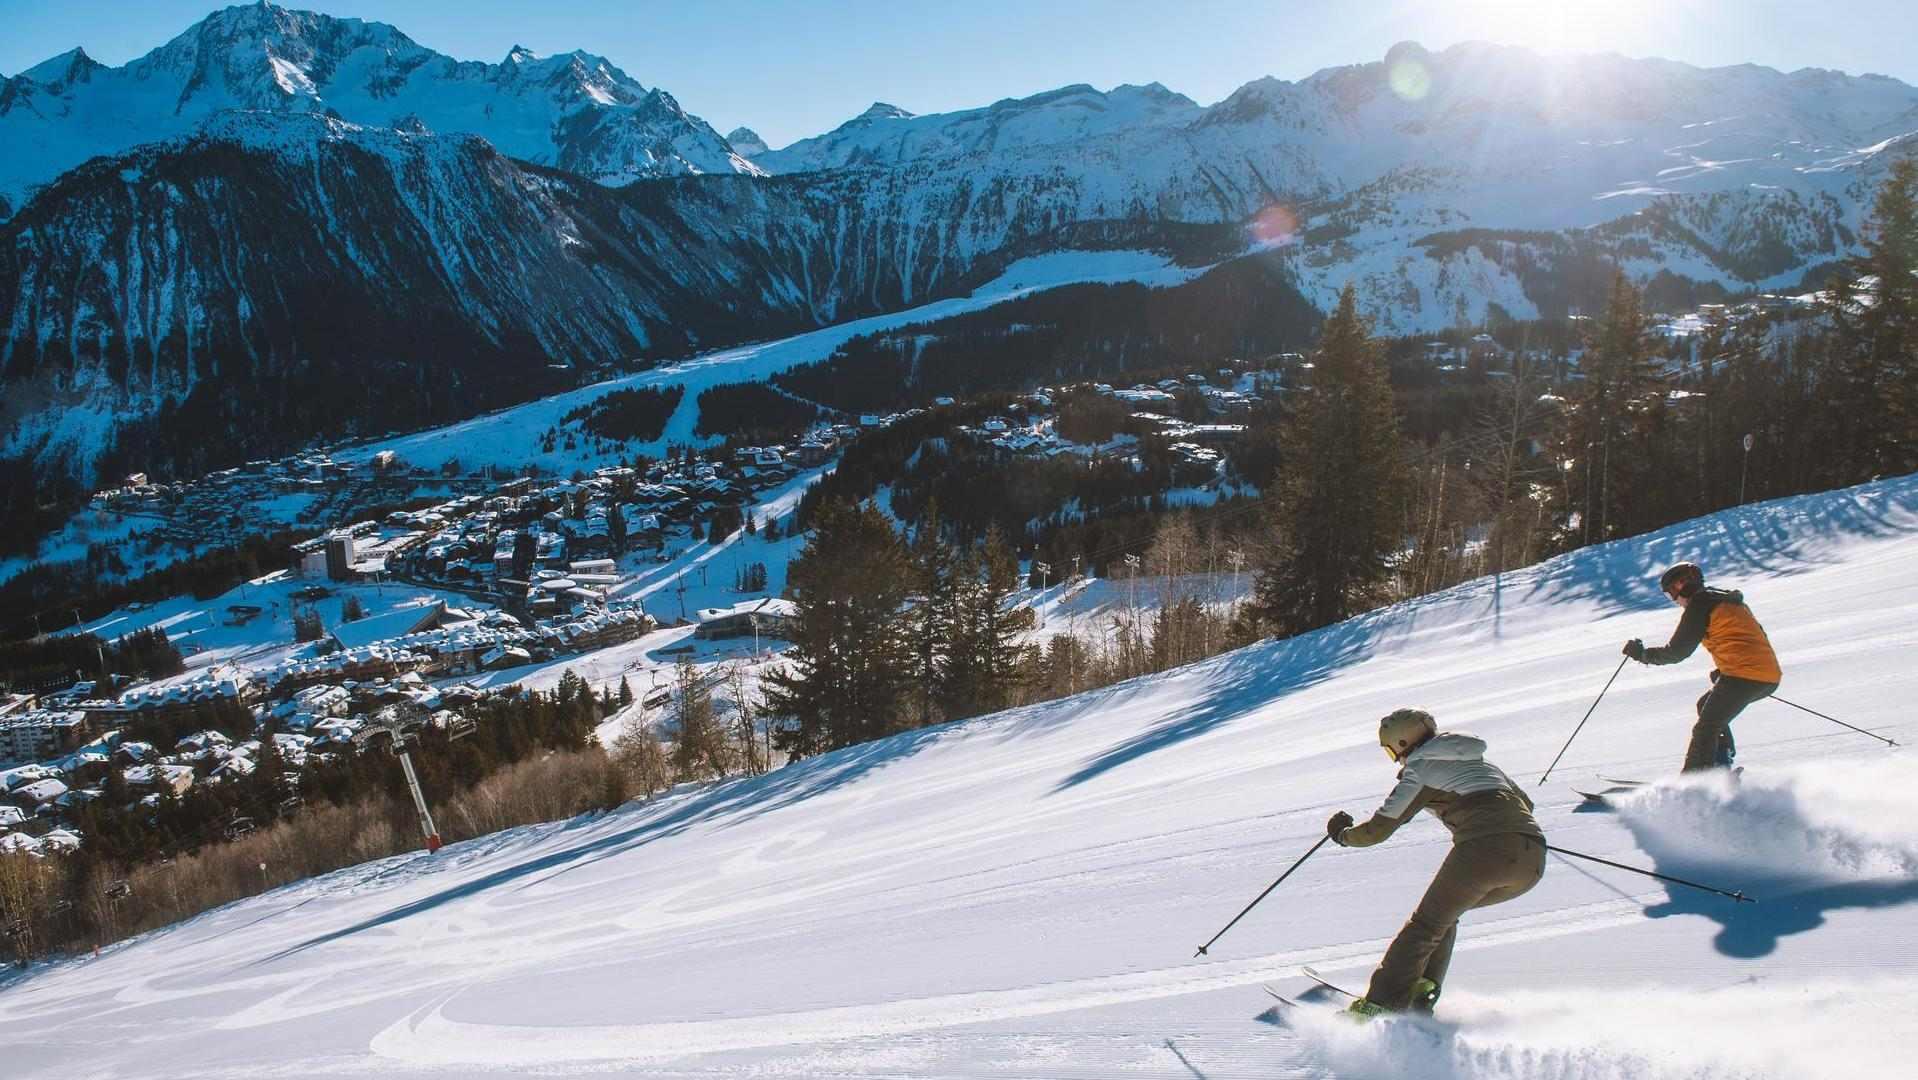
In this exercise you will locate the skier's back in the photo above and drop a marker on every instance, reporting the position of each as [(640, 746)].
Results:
[(1498, 850)]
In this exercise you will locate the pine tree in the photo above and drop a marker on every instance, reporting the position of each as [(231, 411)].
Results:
[(934, 617), (1337, 508), (848, 674), (1874, 312), (616, 527), (1608, 435), (625, 698), (997, 624)]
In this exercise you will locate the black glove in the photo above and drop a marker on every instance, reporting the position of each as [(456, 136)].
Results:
[(1635, 649), (1340, 822)]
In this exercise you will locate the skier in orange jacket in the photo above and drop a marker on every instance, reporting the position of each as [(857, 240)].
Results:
[(1746, 669)]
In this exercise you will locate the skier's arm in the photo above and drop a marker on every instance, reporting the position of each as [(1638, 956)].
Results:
[(1401, 806), (1685, 639)]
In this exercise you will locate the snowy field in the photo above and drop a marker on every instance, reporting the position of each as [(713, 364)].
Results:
[(1020, 895)]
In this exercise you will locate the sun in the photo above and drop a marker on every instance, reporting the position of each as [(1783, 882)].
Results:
[(1545, 25)]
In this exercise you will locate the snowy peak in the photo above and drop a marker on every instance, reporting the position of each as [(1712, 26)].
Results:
[(747, 142), (888, 135), (878, 111), (71, 66), (574, 110)]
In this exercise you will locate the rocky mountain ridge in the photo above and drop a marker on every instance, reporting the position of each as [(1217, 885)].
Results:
[(575, 111)]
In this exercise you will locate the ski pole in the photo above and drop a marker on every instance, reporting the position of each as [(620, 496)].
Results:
[(1581, 723), (1261, 896), (1738, 896), (1833, 719)]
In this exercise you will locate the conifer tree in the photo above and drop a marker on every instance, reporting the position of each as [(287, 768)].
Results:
[(849, 669), (1874, 313), (934, 618), (1337, 506), (996, 625), (1614, 408)]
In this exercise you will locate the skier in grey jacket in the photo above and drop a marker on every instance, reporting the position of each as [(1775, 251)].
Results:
[(1498, 850)]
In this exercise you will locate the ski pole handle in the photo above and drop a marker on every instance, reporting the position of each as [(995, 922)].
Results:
[(1261, 896), (1581, 723)]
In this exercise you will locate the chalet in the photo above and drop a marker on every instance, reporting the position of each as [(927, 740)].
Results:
[(768, 616), (38, 794), (160, 778), (61, 841)]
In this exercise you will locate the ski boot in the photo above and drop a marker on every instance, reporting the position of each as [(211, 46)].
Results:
[(1425, 995), (1362, 1011)]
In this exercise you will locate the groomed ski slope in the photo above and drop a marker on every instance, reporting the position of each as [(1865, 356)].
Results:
[(1020, 895)]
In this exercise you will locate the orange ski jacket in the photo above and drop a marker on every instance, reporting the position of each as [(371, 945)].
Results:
[(1719, 619)]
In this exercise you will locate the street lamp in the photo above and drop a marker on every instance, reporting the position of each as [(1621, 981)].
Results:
[(1744, 468)]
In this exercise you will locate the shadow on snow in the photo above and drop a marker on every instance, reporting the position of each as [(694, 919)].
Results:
[(729, 803)]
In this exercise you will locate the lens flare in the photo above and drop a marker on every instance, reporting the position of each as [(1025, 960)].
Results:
[(1409, 79), (1274, 226)]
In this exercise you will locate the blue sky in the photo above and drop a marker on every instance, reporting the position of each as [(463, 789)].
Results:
[(790, 69)]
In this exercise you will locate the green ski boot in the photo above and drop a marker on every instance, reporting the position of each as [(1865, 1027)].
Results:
[(1362, 1011), (1425, 995)]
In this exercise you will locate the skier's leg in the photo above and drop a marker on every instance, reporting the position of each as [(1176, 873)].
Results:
[(1712, 744), (1441, 958), (1513, 870), (1475, 870), (1708, 732)]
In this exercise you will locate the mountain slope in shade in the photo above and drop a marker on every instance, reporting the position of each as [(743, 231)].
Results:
[(284, 276), (574, 111)]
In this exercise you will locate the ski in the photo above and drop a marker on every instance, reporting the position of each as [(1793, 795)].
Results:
[(1312, 973), (1267, 987), (1622, 782), (1597, 797)]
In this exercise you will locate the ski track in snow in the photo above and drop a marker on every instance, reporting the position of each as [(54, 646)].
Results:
[(1020, 895)]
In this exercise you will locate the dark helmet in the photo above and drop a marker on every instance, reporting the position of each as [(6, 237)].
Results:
[(1683, 579)]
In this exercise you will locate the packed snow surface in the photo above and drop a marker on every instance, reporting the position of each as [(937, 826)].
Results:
[(1021, 894)]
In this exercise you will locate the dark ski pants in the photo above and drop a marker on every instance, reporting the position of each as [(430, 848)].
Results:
[(1712, 745), (1477, 873)]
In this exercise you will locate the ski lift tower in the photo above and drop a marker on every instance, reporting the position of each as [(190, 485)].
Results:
[(399, 741)]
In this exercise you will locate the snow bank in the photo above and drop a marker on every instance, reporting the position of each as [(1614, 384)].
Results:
[(1843, 819), (1744, 1030)]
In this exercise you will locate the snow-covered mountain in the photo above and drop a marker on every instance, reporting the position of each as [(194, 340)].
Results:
[(746, 142), (1020, 894), (287, 276), (507, 217), (575, 111), (1355, 167)]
